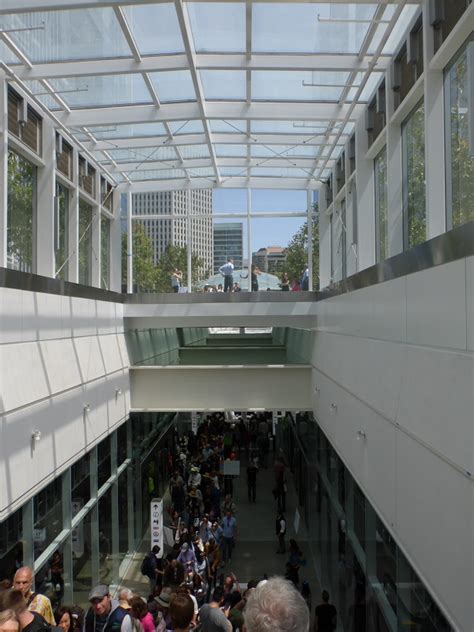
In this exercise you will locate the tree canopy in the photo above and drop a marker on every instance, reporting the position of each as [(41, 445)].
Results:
[(297, 253)]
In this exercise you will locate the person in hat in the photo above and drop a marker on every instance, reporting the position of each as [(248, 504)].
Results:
[(187, 557), (194, 479), (105, 614), (164, 619)]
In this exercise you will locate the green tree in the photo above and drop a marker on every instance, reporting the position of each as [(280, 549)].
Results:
[(21, 184), (176, 257), (297, 253), (144, 272)]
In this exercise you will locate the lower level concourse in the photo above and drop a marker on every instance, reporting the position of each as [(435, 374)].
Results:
[(294, 509)]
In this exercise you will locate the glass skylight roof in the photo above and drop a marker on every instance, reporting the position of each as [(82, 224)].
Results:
[(251, 74)]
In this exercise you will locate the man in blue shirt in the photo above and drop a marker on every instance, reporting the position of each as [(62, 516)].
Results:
[(305, 279), (227, 271), (229, 528)]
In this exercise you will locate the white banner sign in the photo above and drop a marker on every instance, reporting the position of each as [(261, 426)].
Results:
[(156, 523), (194, 422)]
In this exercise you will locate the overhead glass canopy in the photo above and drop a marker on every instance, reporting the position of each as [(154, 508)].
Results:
[(210, 92)]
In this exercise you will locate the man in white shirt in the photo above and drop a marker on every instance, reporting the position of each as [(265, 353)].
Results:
[(227, 271)]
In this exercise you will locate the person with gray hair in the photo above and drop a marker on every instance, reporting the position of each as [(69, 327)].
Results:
[(276, 606)]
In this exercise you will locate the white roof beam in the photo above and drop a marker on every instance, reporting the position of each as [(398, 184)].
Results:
[(218, 139), (162, 63), (193, 163), (240, 182), (263, 111), (186, 34), (26, 6)]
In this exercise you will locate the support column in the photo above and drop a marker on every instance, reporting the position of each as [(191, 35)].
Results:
[(324, 242), (131, 510), (309, 208), (249, 236), (95, 228), (73, 224), (27, 535), (435, 147), (3, 168), (94, 518), (189, 239), (365, 191), (129, 244), (45, 204), (394, 176), (116, 246), (67, 548), (115, 509)]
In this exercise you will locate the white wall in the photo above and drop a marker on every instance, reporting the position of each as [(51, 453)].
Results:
[(56, 354), (397, 360)]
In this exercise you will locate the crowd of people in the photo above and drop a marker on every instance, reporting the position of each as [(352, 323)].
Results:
[(193, 585)]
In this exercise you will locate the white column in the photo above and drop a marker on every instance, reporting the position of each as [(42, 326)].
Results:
[(324, 241), (435, 150), (365, 192), (189, 235), (45, 204), (3, 168), (394, 176), (249, 236), (73, 224), (309, 219), (95, 228), (115, 245), (129, 244)]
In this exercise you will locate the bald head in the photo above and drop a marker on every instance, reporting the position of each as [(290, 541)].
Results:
[(23, 580)]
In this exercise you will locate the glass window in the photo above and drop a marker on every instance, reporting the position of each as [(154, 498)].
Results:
[(413, 136), (104, 253), (48, 516), (459, 162), (80, 483), (21, 212), (61, 230), (381, 220), (104, 463), (122, 443), (105, 536), (85, 243), (123, 514), (82, 560), (11, 545)]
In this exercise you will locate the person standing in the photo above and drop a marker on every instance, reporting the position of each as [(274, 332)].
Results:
[(176, 278), (285, 283), (254, 277), (23, 582), (305, 279), (252, 470), (229, 528), (280, 528), (105, 614), (227, 271), (326, 615)]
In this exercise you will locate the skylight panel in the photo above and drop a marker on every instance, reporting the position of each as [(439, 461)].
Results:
[(233, 151), (290, 85), (104, 132), (75, 34), (173, 86), (186, 127), (217, 27), (102, 90), (228, 127), (224, 84), (161, 174), (155, 28)]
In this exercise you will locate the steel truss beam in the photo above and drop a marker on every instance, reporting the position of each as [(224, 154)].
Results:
[(163, 63), (227, 183), (217, 138), (263, 111), (26, 6)]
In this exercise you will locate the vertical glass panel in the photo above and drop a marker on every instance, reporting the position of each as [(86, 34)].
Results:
[(105, 536), (11, 546), (51, 577), (460, 163), (80, 483), (103, 462), (123, 514), (20, 212), (381, 219), (61, 230), (359, 515), (413, 135), (85, 243), (48, 517), (338, 244), (122, 443), (104, 253), (82, 561)]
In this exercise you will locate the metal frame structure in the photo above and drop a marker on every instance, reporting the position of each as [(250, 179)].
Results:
[(291, 166)]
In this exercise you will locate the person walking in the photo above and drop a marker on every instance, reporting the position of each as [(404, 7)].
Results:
[(325, 615), (229, 528), (227, 271), (252, 470), (280, 529)]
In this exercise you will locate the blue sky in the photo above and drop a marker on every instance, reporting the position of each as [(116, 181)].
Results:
[(265, 232)]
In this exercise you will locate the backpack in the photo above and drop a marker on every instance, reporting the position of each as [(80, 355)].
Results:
[(146, 567)]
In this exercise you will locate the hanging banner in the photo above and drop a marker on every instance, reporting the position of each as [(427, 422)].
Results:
[(274, 422), (156, 526), (194, 422)]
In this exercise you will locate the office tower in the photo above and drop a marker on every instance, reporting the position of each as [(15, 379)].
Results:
[(228, 242)]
